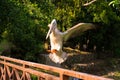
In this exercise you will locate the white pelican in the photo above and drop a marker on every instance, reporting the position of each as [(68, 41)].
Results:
[(57, 38)]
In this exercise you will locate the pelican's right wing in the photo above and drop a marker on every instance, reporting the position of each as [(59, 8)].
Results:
[(77, 30)]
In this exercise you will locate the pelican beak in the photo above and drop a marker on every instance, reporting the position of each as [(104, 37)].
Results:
[(50, 30), (51, 27)]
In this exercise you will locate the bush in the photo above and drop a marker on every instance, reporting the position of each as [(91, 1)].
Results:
[(25, 28)]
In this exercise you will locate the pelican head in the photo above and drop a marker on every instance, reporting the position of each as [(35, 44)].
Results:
[(52, 27)]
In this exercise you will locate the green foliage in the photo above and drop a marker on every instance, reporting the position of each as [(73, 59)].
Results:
[(66, 13), (24, 23)]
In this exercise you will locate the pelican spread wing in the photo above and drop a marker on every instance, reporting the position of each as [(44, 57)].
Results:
[(77, 30)]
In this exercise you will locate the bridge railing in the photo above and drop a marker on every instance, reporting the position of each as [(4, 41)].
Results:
[(15, 69)]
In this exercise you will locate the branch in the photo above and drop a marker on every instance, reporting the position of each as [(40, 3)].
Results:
[(87, 4)]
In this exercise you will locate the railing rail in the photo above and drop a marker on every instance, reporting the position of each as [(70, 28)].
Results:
[(15, 69)]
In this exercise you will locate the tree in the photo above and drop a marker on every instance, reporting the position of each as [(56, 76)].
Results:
[(24, 23)]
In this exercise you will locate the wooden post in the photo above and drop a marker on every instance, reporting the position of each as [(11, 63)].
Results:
[(4, 71), (63, 77)]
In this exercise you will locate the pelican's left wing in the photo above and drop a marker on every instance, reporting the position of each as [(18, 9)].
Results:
[(77, 30)]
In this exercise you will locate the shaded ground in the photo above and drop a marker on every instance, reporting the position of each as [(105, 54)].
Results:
[(105, 65), (109, 67)]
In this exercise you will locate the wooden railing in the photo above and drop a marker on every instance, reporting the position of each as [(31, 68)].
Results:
[(15, 69)]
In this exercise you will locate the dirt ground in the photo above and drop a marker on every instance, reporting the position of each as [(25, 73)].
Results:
[(105, 65)]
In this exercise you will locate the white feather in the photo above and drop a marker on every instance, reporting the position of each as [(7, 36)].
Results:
[(57, 38)]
